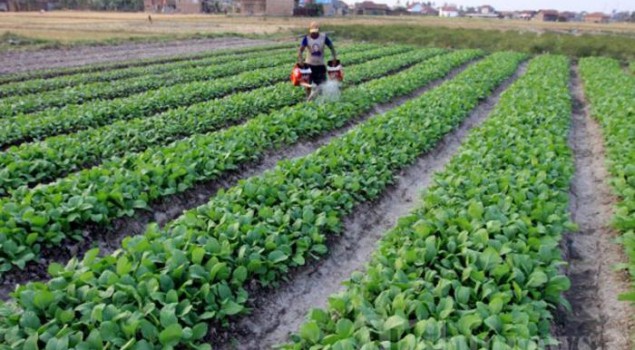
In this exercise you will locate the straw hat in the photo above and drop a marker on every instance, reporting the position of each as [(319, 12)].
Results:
[(314, 27)]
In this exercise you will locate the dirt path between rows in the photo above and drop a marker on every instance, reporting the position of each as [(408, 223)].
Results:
[(169, 208), (598, 320), (281, 311), (14, 62)]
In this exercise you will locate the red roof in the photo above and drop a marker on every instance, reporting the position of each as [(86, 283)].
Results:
[(449, 9)]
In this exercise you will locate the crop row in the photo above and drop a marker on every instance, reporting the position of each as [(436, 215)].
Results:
[(32, 163), (477, 266), (24, 128), (41, 85), (164, 287), (21, 105), (49, 213), (25, 104), (101, 67), (611, 94)]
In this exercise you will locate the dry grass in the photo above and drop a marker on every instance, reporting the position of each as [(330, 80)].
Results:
[(72, 27)]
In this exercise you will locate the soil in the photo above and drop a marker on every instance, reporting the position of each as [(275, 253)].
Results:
[(598, 319), (13, 62), (280, 311), (169, 208)]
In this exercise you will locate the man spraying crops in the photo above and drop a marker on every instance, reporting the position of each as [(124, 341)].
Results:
[(315, 42)]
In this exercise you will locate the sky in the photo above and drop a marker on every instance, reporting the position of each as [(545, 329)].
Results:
[(561, 5)]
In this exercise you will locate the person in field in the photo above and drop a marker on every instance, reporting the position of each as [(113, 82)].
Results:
[(315, 42)]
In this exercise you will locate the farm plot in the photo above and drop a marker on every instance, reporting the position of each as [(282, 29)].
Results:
[(479, 260), (156, 66), (129, 183), (250, 186), (24, 128), (52, 63), (65, 153), (267, 252)]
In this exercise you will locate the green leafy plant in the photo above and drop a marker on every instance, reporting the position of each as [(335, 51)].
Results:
[(24, 104), (121, 65), (47, 84), (162, 288), (47, 214), (33, 163), (23, 128), (477, 266)]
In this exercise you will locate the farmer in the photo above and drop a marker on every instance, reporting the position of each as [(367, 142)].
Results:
[(315, 42)]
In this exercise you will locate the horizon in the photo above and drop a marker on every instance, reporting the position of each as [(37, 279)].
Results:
[(499, 5)]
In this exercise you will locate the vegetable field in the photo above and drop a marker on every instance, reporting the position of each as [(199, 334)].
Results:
[(448, 199)]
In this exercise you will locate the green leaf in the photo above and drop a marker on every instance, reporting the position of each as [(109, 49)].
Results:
[(445, 308), (66, 316), (54, 269), (148, 330), (320, 249), (537, 279), (496, 305), (57, 343), (168, 315), (490, 258), (38, 221), (630, 296), (109, 330), (43, 299), (143, 345), (467, 323), (395, 321), (344, 327), (198, 254), (123, 266), (171, 335), (32, 238), (199, 331), (494, 323), (240, 274), (31, 343), (310, 331), (557, 285), (30, 320), (95, 340), (475, 210), (277, 256), (231, 308)]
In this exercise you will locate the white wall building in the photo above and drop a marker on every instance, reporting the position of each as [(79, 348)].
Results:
[(448, 11)]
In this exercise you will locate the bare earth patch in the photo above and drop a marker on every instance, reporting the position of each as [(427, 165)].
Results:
[(13, 62), (598, 320)]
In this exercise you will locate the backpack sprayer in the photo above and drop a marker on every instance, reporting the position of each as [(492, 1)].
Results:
[(301, 73), (334, 69), (330, 90)]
